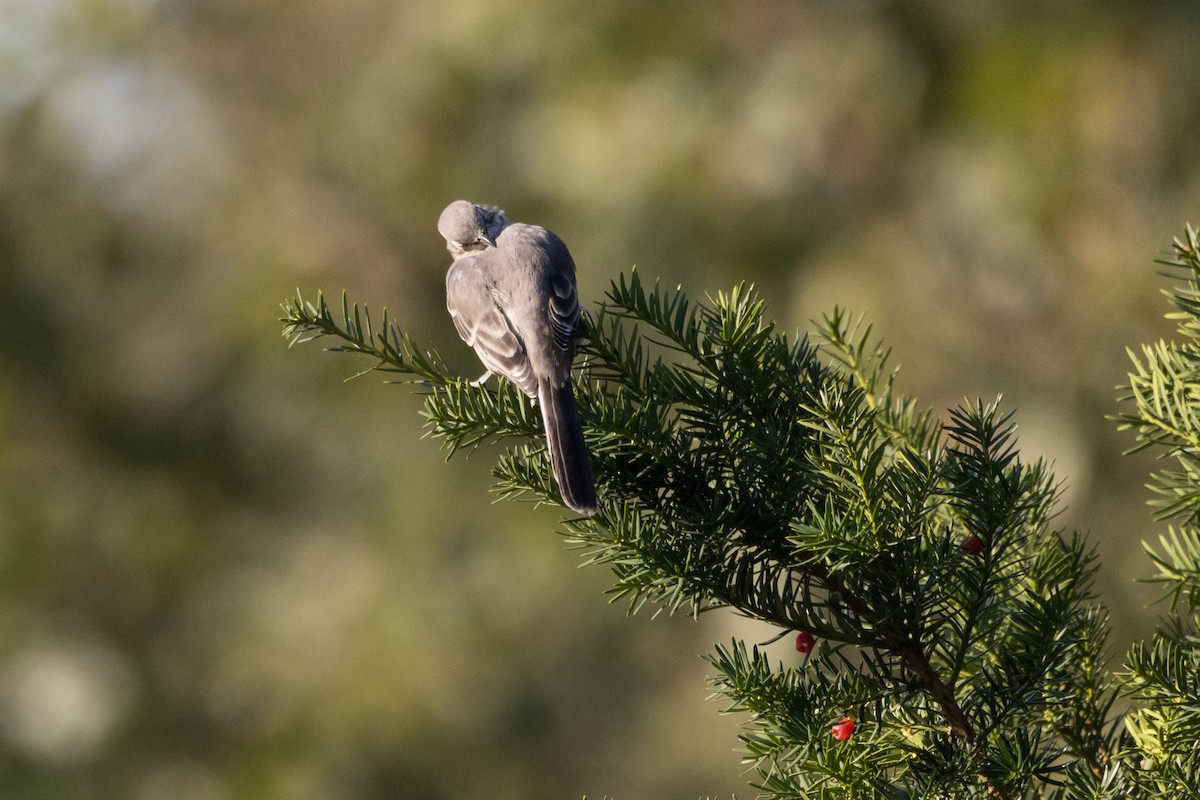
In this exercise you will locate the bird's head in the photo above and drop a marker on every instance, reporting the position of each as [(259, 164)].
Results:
[(469, 227)]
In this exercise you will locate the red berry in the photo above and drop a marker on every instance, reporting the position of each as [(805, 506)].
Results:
[(972, 545), (843, 729), (805, 641)]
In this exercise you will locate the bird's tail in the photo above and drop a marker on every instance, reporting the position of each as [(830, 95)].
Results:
[(568, 451)]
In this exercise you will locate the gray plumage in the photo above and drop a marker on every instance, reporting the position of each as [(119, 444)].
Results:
[(511, 293)]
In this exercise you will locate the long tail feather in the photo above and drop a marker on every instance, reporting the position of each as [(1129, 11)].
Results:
[(568, 452)]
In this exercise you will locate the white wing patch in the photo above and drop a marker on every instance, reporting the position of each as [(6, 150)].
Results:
[(564, 310)]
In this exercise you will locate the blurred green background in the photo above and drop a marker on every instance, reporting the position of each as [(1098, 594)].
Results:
[(225, 573)]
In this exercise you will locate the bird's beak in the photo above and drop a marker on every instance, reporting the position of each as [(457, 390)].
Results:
[(485, 239)]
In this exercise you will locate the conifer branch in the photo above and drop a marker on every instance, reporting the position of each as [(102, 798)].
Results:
[(1158, 756), (783, 478)]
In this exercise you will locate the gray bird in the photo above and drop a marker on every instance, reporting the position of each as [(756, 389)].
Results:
[(511, 293)]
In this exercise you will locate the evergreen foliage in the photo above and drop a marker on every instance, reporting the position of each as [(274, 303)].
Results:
[(1162, 676), (786, 479)]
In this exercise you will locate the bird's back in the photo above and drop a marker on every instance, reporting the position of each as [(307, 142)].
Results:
[(539, 269)]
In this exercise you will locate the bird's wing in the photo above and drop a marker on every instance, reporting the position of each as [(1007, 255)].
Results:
[(563, 306), (476, 306), (556, 268)]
